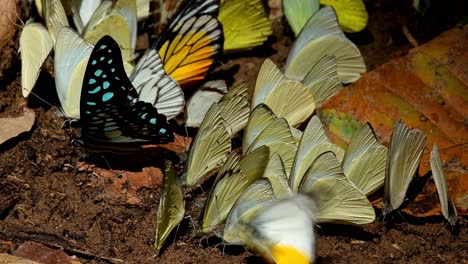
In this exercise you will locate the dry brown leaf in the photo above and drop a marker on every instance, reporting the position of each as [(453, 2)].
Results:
[(41, 254), (180, 145), (123, 186), (11, 127), (428, 90), (10, 259)]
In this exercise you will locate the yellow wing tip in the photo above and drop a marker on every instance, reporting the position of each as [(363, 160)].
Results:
[(283, 254), (352, 14)]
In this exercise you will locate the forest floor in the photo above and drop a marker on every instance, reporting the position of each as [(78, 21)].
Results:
[(46, 196)]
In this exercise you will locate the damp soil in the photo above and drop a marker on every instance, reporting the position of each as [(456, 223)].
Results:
[(46, 197)]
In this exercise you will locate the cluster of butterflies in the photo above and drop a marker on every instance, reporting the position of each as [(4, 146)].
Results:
[(286, 180), (122, 106), (351, 14), (270, 198)]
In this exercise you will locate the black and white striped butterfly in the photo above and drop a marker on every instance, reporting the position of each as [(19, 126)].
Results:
[(192, 41), (113, 119)]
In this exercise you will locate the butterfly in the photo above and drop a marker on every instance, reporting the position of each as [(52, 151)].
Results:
[(404, 155), (297, 13), (113, 119), (191, 42), (449, 211), (280, 230), (322, 37), (115, 18), (171, 208), (245, 24), (35, 45)]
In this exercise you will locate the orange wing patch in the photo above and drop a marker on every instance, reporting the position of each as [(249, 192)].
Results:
[(192, 48)]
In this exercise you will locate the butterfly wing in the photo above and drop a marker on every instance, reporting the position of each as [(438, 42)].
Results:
[(171, 208), (109, 108), (297, 12), (154, 86), (245, 24), (190, 8), (35, 45), (446, 205), (117, 19), (192, 41)]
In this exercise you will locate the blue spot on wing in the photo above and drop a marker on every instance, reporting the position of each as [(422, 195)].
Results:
[(153, 121), (97, 89), (90, 103), (92, 81), (106, 85), (107, 96), (98, 73)]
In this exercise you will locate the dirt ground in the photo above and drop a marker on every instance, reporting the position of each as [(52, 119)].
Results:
[(45, 197)]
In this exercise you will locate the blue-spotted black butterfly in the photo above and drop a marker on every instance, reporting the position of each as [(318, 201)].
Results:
[(112, 117)]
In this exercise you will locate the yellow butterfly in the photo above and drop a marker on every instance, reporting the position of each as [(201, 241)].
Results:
[(116, 19), (245, 24), (171, 208), (404, 154), (297, 12), (212, 144), (352, 14), (448, 208), (35, 45)]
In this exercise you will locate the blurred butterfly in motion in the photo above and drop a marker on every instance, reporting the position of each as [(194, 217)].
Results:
[(191, 42), (113, 119)]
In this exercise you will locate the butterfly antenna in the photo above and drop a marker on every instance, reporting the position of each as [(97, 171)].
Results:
[(402, 216), (59, 109), (107, 163), (201, 187), (187, 146), (382, 215), (441, 229), (45, 101), (320, 228), (193, 223), (224, 248), (175, 234)]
